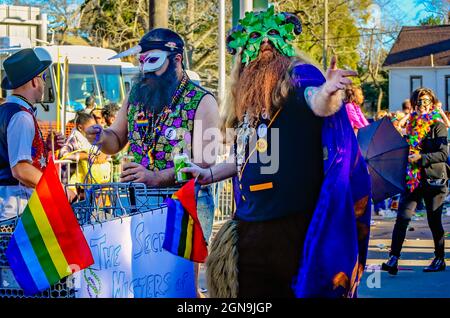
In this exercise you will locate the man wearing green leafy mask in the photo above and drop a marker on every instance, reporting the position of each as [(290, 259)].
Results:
[(300, 183)]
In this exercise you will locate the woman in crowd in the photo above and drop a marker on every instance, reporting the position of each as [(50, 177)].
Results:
[(353, 99), (77, 148), (426, 178)]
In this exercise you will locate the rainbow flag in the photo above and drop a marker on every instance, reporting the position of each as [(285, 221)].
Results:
[(184, 235), (47, 244)]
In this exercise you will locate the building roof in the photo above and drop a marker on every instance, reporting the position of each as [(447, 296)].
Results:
[(415, 45)]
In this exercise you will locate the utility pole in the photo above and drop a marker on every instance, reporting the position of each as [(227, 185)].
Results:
[(158, 14), (222, 66), (325, 34)]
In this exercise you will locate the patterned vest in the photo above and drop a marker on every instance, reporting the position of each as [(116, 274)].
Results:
[(172, 135), (38, 150)]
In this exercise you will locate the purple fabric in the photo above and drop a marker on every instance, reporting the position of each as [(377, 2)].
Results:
[(335, 249), (336, 243)]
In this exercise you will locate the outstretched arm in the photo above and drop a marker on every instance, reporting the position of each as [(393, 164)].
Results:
[(204, 148), (213, 174), (327, 99), (113, 139)]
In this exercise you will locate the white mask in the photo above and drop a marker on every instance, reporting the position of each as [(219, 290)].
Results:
[(152, 61)]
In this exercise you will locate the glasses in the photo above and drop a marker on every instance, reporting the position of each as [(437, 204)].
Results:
[(43, 76), (424, 102)]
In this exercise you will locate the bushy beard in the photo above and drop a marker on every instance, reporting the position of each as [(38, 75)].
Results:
[(155, 92), (257, 84)]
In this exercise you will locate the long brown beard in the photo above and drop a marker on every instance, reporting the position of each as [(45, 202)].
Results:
[(257, 85)]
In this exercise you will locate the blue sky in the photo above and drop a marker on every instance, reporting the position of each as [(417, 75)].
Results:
[(414, 13), (405, 12)]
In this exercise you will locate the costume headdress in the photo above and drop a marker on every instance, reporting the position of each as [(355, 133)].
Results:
[(248, 35)]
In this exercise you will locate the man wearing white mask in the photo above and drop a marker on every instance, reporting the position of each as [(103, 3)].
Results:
[(165, 114)]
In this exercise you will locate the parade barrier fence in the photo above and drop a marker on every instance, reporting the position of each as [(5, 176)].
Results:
[(105, 209), (124, 225)]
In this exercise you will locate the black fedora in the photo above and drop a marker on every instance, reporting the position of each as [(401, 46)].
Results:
[(22, 67)]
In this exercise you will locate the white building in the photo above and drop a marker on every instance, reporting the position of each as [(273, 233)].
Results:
[(420, 57)]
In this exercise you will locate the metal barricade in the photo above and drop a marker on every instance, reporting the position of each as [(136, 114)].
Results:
[(223, 200), (9, 288), (102, 202)]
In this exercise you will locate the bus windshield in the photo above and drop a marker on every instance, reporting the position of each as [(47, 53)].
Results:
[(103, 82)]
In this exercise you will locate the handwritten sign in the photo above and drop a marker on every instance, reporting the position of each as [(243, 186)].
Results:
[(131, 263)]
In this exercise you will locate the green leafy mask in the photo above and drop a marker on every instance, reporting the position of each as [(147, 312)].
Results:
[(255, 27)]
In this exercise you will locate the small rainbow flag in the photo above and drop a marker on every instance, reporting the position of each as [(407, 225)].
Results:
[(142, 122), (47, 244), (184, 235)]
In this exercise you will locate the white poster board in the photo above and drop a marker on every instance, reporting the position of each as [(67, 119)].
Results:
[(131, 263)]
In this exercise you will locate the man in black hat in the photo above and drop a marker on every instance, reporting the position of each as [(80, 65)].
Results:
[(23, 152)]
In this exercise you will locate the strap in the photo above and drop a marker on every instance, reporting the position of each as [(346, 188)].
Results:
[(254, 149)]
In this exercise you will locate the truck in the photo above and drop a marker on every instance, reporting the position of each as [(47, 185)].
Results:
[(76, 73)]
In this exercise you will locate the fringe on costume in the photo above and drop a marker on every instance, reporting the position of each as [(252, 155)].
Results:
[(222, 263)]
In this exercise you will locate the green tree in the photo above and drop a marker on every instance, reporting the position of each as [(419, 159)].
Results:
[(197, 22), (343, 33), (116, 24)]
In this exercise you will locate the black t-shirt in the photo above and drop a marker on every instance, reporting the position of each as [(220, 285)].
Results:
[(293, 164)]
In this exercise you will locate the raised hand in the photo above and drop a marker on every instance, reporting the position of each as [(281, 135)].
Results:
[(55, 139), (337, 79)]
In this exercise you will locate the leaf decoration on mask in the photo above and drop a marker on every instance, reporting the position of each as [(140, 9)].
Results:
[(279, 29)]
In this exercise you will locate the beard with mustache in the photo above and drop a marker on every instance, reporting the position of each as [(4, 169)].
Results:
[(155, 92), (258, 82)]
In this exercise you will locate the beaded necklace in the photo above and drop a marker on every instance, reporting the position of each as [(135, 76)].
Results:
[(155, 127), (418, 127)]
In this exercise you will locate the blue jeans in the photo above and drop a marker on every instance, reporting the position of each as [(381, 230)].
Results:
[(205, 209)]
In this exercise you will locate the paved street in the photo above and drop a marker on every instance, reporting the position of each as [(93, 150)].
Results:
[(417, 253)]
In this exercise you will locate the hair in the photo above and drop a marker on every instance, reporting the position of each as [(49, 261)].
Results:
[(110, 110), (381, 114), (421, 92), (350, 94), (90, 101), (405, 103), (82, 118), (231, 112)]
